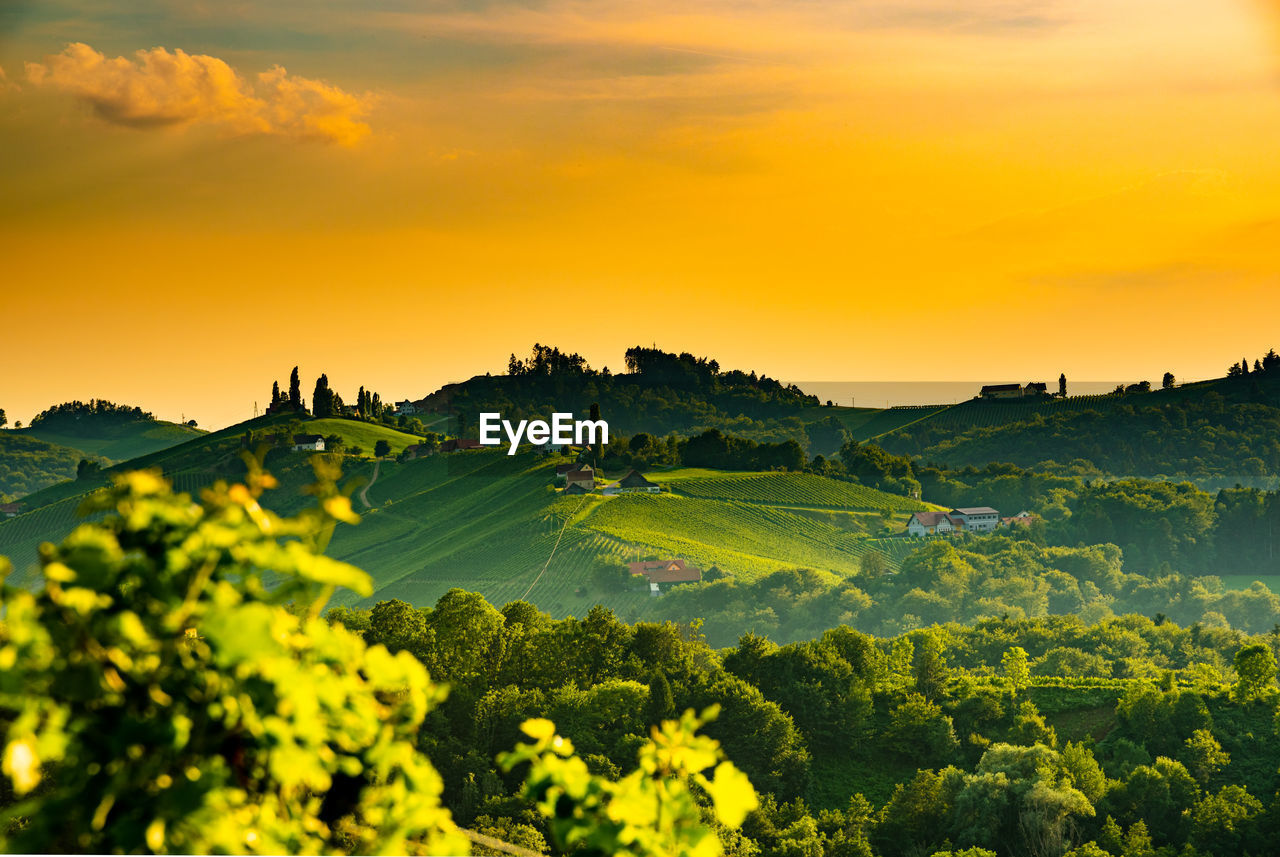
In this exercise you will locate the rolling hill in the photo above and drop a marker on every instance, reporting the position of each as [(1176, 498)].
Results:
[(34, 458), (497, 524), (1214, 432)]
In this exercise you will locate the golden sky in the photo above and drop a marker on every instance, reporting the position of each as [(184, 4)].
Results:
[(197, 196)]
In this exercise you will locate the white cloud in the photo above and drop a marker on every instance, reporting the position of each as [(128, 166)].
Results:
[(161, 88)]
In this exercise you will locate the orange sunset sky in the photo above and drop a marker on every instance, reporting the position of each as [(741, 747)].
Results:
[(198, 195)]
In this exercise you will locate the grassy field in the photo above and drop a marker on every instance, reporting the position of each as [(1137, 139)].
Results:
[(363, 435)]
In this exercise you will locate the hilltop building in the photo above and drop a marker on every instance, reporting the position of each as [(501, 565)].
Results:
[(1013, 391), (457, 444)]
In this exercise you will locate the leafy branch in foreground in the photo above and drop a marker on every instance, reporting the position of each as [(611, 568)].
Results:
[(652, 810), (162, 697)]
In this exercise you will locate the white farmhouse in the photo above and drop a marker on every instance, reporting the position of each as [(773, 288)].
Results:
[(977, 519), (308, 443), (931, 524)]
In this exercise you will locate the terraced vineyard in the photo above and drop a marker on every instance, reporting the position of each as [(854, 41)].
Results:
[(20, 537), (745, 539), (786, 489)]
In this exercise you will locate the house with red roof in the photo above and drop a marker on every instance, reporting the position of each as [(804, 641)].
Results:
[(664, 573)]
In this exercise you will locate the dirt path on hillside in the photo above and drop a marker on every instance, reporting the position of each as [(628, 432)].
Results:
[(364, 492)]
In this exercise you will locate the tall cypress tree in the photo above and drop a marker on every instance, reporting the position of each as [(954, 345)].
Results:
[(295, 390), (275, 397), (322, 398)]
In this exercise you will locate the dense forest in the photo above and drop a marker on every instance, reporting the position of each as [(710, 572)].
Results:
[(28, 464), (939, 739), (976, 579)]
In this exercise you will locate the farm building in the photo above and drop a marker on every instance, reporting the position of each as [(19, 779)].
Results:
[(455, 444), (308, 443), (563, 470), (633, 483), (406, 409), (10, 510), (1001, 391), (1014, 391), (577, 488), (583, 475), (1022, 519), (665, 573), (977, 519), (932, 524)]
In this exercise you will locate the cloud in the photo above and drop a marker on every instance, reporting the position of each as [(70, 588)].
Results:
[(159, 88)]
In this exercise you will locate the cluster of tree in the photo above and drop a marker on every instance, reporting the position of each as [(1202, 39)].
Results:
[(989, 576), (663, 393), (1269, 362), (546, 361), (88, 417), (1231, 431), (293, 402), (326, 402), (926, 743)]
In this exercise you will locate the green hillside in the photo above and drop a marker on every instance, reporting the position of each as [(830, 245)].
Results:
[(28, 464), (199, 461), (37, 457), (1215, 432), (498, 524)]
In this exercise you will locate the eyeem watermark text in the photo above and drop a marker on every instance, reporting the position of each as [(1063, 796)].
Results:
[(563, 430)]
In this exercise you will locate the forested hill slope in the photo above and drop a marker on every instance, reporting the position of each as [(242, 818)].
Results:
[(51, 448), (1215, 432)]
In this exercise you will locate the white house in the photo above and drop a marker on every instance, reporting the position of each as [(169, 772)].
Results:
[(977, 519), (308, 443), (406, 408), (931, 524)]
